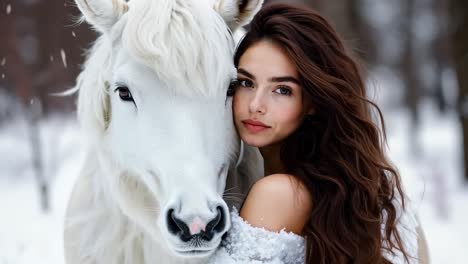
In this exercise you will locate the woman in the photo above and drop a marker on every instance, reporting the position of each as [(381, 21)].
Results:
[(328, 188)]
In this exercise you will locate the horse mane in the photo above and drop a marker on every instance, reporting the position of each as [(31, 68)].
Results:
[(94, 102), (183, 42)]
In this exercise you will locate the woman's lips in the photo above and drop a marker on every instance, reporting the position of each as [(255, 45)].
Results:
[(254, 126)]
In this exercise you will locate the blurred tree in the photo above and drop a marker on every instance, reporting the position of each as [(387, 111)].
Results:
[(60, 52), (40, 55), (412, 86), (44, 43), (410, 74), (441, 48), (20, 75), (459, 11), (364, 42), (15, 71)]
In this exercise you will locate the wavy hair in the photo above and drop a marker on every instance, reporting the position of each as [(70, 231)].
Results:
[(338, 152)]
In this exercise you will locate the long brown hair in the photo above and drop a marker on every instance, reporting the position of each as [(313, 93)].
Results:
[(338, 152)]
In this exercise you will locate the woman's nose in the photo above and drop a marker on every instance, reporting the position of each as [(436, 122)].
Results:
[(257, 104)]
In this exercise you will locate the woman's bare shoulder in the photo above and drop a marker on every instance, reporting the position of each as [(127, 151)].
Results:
[(277, 202)]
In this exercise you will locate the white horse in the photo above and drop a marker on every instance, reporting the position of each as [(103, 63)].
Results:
[(159, 131)]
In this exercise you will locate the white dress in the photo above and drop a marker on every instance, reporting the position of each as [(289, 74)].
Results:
[(246, 244)]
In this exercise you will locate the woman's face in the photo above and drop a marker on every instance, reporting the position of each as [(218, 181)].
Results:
[(269, 103)]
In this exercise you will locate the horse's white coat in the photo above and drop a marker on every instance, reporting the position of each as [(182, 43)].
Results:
[(170, 149)]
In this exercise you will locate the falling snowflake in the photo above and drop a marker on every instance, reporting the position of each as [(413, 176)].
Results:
[(8, 9), (3, 76), (73, 34), (3, 61), (64, 57), (51, 58)]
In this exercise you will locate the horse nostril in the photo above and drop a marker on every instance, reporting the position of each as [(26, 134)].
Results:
[(177, 226), (222, 222), (215, 225)]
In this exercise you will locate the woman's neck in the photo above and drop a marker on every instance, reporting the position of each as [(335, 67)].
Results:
[(272, 163)]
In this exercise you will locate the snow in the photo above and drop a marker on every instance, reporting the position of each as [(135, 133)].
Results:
[(430, 164), (27, 235), (246, 244), (64, 57)]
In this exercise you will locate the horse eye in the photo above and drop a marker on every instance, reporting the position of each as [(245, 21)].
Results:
[(125, 94)]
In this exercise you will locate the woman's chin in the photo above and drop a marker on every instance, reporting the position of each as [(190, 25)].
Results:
[(255, 142)]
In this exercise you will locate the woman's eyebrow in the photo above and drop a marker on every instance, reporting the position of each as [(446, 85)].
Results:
[(285, 79), (273, 79), (246, 73)]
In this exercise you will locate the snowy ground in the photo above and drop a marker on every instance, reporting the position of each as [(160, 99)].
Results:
[(27, 235), (429, 162), (433, 178)]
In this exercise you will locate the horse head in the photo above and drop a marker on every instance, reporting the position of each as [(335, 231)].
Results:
[(153, 101)]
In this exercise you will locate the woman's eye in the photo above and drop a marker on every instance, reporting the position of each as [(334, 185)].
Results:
[(125, 94), (283, 91), (246, 83)]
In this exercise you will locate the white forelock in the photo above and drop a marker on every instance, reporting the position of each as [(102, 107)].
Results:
[(186, 43)]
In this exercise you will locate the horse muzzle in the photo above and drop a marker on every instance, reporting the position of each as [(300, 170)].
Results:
[(196, 230)]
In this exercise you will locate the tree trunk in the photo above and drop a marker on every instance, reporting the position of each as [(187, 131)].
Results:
[(459, 9), (440, 48), (408, 67), (19, 76), (33, 115)]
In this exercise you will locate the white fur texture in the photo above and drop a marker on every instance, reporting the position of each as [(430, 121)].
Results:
[(170, 149)]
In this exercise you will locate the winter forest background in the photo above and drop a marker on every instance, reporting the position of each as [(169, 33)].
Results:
[(416, 53)]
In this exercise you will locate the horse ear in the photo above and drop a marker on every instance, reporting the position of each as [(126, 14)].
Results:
[(237, 13), (102, 14)]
